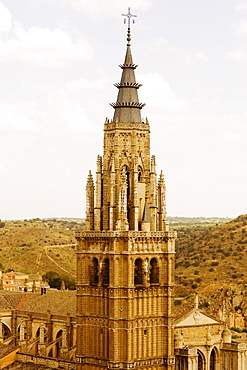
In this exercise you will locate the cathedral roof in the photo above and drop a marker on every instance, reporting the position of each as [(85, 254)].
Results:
[(195, 317), (127, 107), (57, 302)]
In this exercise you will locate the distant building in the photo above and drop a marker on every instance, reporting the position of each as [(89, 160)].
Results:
[(18, 282)]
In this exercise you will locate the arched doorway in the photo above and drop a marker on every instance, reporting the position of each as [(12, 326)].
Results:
[(21, 331), (34, 349), (58, 344), (213, 359), (201, 360)]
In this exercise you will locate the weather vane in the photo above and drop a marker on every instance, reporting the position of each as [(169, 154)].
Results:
[(129, 16)]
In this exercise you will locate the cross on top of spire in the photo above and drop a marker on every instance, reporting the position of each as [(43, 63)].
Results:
[(129, 16)]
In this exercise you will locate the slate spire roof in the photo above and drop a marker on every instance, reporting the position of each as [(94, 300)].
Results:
[(127, 107)]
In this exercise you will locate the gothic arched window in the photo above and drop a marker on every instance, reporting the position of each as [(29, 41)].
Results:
[(139, 173), (106, 272), (94, 268), (154, 271), (138, 276), (58, 343), (126, 173), (6, 332), (213, 359)]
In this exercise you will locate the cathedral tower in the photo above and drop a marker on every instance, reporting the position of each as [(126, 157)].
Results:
[(125, 255)]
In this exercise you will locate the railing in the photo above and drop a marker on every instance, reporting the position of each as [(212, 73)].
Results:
[(46, 361), (125, 234), (126, 241)]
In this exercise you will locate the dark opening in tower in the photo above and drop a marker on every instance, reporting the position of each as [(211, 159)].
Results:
[(126, 173)]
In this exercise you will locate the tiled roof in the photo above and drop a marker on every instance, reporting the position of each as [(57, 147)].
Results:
[(26, 366), (9, 300), (58, 302), (181, 311), (6, 349)]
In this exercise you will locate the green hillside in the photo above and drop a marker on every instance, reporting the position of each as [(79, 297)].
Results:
[(211, 256), (37, 246), (209, 251)]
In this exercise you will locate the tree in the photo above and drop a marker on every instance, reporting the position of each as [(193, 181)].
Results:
[(69, 282), (53, 279)]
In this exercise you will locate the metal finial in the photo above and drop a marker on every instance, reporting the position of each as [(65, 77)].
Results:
[(129, 16)]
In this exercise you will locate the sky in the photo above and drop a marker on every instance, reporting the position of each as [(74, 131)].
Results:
[(58, 63)]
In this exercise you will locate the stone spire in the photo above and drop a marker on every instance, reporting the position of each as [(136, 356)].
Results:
[(162, 219), (196, 301), (89, 222), (127, 107)]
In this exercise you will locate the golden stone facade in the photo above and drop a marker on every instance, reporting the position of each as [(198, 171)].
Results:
[(125, 275), (203, 343), (125, 256)]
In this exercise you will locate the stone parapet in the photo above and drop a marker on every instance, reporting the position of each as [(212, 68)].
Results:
[(126, 126), (125, 234), (234, 347), (46, 361), (126, 241)]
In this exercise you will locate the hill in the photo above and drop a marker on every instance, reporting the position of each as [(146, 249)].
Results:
[(38, 246), (212, 256), (184, 223), (209, 251)]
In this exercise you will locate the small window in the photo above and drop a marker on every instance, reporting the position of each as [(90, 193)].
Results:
[(106, 272), (139, 173), (138, 276), (154, 271), (94, 269)]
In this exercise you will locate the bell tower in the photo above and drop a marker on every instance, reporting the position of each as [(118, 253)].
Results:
[(125, 255)]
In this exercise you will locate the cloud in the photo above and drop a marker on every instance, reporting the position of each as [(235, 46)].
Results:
[(158, 93), (75, 105), (239, 55), (241, 27), (5, 19), (241, 6), (66, 114), (16, 119), (110, 8), (2, 168), (160, 42), (78, 86), (44, 47), (72, 109), (196, 57)]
